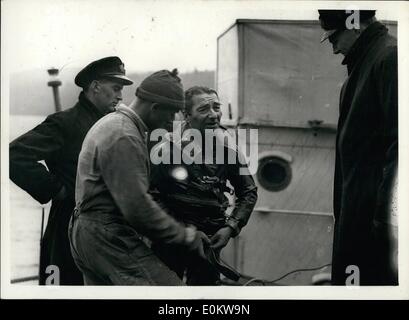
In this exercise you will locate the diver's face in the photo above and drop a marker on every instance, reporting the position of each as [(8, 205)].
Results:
[(205, 112)]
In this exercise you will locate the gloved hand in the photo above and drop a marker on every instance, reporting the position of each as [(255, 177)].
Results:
[(221, 238), (196, 240)]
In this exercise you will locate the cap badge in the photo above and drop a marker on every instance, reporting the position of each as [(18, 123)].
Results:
[(121, 68)]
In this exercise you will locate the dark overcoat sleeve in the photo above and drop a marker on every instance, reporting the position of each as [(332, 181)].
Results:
[(40, 143), (386, 75)]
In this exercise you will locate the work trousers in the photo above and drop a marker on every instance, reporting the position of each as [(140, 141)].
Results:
[(108, 251)]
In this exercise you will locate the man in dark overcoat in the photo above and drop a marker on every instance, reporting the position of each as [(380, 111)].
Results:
[(57, 141), (366, 148)]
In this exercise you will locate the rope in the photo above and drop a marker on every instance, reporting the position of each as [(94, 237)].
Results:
[(264, 282)]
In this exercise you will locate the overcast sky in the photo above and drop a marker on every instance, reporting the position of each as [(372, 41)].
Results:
[(147, 35)]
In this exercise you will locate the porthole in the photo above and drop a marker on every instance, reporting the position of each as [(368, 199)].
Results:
[(274, 173)]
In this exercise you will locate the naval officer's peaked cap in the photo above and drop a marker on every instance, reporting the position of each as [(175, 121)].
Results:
[(110, 68), (333, 20)]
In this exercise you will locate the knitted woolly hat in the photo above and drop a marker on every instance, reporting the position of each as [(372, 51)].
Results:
[(163, 87)]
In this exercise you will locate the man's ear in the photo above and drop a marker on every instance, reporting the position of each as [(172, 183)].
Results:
[(94, 86), (154, 106)]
